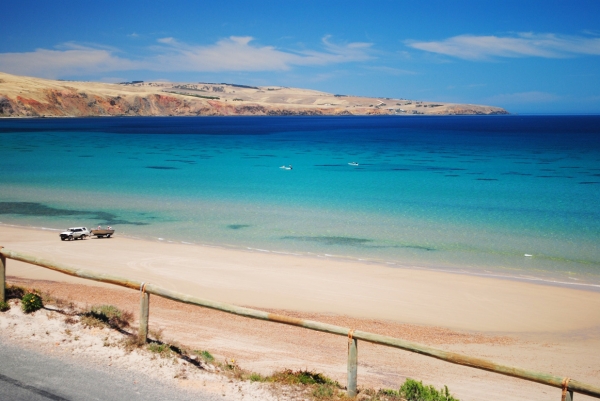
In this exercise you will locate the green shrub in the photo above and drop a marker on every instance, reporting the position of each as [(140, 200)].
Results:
[(4, 306), (413, 390), (31, 302)]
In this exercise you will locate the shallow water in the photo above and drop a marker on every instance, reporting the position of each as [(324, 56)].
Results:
[(473, 194)]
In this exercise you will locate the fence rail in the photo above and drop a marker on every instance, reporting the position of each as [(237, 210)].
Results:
[(568, 386)]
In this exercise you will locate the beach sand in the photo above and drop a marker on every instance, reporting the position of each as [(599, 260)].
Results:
[(538, 327)]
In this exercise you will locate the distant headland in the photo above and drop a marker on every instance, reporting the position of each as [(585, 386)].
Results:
[(35, 97)]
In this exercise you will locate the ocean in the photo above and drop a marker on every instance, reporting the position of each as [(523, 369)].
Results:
[(504, 196)]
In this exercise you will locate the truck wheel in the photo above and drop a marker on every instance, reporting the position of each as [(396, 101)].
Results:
[(70, 238), (62, 238), (108, 236)]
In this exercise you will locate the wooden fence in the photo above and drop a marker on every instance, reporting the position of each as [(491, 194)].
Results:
[(567, 385)]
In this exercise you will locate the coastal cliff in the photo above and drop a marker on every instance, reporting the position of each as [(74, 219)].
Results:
[(35, 97)]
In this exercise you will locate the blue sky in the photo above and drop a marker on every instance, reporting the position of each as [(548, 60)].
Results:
[(525, 56)]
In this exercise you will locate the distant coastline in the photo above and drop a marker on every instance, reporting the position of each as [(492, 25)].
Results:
[(35, 97)]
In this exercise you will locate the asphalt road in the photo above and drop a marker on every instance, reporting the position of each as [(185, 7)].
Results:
[(26, 375)]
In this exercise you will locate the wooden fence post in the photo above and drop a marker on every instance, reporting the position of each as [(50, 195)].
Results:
[(144, 313), (2, 277), (567, 395), (352, 364)]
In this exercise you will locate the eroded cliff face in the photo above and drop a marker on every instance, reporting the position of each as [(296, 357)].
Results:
[(34, 97), (63, 103)]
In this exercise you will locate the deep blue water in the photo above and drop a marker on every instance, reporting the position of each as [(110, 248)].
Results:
[(473, 194)]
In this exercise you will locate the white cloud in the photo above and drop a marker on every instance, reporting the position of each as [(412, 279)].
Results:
[(76, 60), (526, 44), (236, 53), (524, 97)]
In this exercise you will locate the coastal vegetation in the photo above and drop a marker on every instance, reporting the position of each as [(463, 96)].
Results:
[(31, 302), (107, 315), (295, 384)]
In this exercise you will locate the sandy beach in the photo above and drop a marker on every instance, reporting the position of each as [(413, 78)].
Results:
[(539, 327)]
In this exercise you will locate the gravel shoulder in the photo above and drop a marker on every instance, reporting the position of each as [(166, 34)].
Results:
[(265, 347), (50, 354)]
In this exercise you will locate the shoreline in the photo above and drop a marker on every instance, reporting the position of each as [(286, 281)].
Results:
[(468, 271), (310, 284)]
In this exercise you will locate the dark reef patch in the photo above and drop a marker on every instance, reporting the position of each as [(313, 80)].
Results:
[(334, 240), (238, 226), (516, 173), (352, 241), (181, 161), (162, 167), (38, 209)]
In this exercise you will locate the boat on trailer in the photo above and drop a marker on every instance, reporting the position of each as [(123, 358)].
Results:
[(101, 233)]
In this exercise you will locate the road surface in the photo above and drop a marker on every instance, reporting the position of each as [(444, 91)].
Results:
[(26, 375)]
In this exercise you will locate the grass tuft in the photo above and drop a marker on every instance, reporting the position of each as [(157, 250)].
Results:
[(132, 342), (107, 315), (323, 391), (162, 349), (205, 355), (305, 377), (90, 321), (257, 377), (4, 306), (63, 304)]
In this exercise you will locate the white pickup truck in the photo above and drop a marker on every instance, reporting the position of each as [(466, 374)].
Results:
[(74, 233)]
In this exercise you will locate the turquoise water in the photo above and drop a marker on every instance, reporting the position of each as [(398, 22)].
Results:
[(467, 194)]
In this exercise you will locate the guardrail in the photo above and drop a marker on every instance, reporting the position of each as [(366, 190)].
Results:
[(567, 385)]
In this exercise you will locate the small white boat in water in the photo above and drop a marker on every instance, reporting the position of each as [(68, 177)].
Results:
[(286, 167), (353, 164)]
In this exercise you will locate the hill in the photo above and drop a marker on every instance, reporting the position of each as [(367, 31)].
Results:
[(35, 97)]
